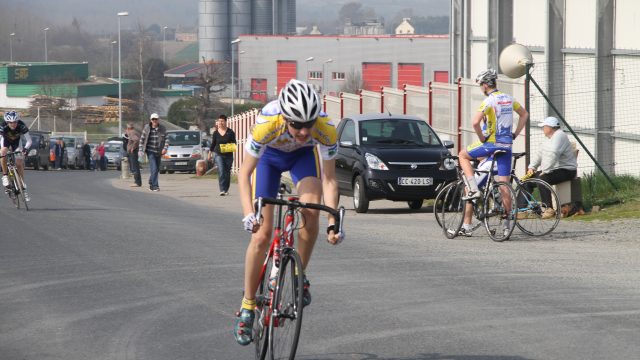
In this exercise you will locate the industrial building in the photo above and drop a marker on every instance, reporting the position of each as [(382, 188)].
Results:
[(222, 21)]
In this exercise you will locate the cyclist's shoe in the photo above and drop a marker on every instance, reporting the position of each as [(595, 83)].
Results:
[(472, 195), (465, 232), (306, 296), (244, 326), (549, 214), (5, 180), (26, 195)]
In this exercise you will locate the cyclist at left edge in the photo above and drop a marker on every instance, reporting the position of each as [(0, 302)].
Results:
[(12, 130)]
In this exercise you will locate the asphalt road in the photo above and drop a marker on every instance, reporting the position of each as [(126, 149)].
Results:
[(97, 270)]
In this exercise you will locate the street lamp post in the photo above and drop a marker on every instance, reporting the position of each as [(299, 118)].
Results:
[(233, 88), (11, 46), (308, 60), (120, 14), (112, 43), (164, 40), (324, 75), (46, 57)]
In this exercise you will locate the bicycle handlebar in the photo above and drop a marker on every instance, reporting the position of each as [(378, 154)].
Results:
[(12, 153), (337, 214)]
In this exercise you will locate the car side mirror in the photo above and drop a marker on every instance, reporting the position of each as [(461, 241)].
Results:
[(448, 144), (346, 143)]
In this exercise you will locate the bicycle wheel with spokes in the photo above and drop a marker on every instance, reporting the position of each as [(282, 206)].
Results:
[(262, 311), (438, 202), (286, 316), (452, 212), (534, 218), (499, 218), (13, 191), (19, 184)]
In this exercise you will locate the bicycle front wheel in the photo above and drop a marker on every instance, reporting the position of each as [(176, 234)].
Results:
[(286, 316), (453, 207), (534, 216), (499, 215), (13, 190), (19, 184), (263, 306)]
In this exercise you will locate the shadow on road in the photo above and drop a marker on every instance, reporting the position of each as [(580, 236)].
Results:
[(433, 356)]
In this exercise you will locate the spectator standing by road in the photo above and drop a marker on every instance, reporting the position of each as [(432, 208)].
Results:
[(223, 145), (152, 143), (102, 160), (555, 161), (86, 153), (133, 142), (59, 153)]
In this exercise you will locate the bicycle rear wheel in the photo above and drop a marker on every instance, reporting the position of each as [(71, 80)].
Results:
[(452, 212), (261, 322), (19, 184), (286, 318), (532, 219), (498, 221)]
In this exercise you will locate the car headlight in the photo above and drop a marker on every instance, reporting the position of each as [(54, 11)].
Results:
[(449, 164), (374, 162), (32, 152)]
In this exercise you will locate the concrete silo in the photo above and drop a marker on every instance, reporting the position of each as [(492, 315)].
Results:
[(263, 17), (213, 30), (240, 18)]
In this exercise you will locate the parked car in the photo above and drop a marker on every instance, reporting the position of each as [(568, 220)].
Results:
[(75, 157), (393, 157), (114, 151), (65, 157), (38, 155), (185, 148)]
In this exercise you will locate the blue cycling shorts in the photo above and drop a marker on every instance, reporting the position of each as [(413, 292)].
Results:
[(479, 150), (300, 163)]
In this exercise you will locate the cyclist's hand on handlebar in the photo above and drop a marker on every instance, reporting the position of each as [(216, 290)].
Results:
[(250, 223), (333, 238)]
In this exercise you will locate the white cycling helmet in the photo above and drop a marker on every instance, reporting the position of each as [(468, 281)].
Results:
[(488, 77), (299, 102), (11, 116)]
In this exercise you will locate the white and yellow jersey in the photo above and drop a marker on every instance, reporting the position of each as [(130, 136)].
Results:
[(270, 130), (498, 108)]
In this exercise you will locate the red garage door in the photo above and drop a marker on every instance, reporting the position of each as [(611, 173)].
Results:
[(375, 75), (287, 70), (410, 74), (259, 90), (441, 76)]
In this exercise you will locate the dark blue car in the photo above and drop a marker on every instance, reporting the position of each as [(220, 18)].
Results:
[(393, 157)]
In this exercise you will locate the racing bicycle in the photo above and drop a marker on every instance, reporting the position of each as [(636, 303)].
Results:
[(279, 308), (17, 186)]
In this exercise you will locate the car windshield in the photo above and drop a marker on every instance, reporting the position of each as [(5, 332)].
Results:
[(183, 138), (398, 132), (112, 147)]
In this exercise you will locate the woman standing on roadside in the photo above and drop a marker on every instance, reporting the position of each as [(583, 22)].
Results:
[(223, 145)]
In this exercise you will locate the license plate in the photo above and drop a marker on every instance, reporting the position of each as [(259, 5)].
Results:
[(415, 181), (178, 163)]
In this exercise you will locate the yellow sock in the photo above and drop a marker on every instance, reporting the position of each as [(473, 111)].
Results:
[(249, 304)]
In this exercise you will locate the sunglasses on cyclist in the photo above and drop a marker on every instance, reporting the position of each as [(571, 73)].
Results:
[(299, 125)]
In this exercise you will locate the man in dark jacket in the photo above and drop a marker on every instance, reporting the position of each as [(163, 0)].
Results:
[(152, 143), (133, 142), (86, 152)]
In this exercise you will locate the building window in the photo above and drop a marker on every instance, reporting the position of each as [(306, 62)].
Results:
[(337, 76), (315, 75)]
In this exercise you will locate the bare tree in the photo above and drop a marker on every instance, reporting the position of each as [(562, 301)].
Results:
[(353, 82), (213, 80)]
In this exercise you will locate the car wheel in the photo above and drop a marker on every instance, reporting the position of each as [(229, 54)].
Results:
[(170, 171), (36, 164), (415, 204), (360, 201), (163, 171)]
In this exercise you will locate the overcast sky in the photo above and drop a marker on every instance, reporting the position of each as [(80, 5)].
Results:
[(100, 15)]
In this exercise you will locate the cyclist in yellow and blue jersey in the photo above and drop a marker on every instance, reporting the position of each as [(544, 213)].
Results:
[(290, 134), (497, 110)]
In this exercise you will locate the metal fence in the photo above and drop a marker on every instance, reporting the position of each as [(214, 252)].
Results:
[(449, 108)]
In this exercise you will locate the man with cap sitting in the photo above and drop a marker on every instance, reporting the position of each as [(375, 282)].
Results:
[(555, 161)]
